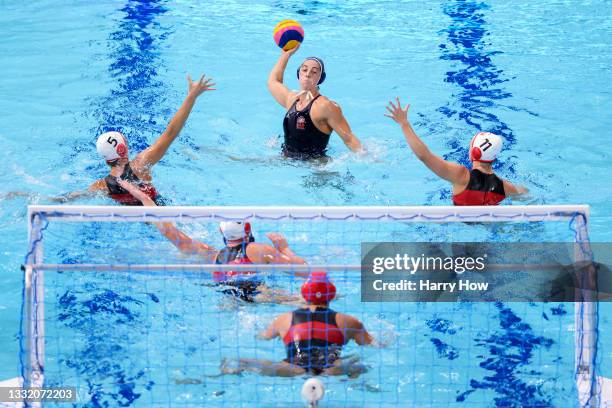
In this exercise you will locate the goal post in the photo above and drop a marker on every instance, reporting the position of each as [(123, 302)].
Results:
[(40, 217)]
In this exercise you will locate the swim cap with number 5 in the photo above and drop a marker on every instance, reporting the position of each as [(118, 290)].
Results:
[(112, 146)]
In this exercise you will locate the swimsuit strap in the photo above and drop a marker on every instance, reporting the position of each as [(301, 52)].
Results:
[(307, 108)]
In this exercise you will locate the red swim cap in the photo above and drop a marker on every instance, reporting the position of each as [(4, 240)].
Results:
[(318, 289)]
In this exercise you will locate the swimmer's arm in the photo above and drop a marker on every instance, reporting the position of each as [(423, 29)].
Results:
[(179, 239), (154, 153), (358, 332), (137, 193), (272, 330), (185, 243), (449, 171), (514, 191), (68, 197), (277, 88), (339, 124), (453, 172), (280, 253), (267, 254), (282, 246), (95, 188)]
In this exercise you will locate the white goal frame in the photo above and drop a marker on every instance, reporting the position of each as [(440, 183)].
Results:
[(33, 350)]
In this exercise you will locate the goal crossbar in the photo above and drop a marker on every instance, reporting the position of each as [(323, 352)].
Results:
[(396, 213)]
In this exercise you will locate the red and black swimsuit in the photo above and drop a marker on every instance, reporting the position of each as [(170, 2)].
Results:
[(119, 194), (482, 189), (241, 284), (314, 340)]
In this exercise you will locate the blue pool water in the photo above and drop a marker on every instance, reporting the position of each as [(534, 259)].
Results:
[(535, 73)]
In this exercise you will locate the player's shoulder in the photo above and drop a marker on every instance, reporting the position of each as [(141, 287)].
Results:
[(347, 320), (328, 105), (258, 247), (284, 318), (326, 101)]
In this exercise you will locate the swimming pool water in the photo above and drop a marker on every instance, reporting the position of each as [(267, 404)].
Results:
[(536, 73)]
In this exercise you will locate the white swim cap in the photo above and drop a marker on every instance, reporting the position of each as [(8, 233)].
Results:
[(485, 147), (234, 230), (112, 146)]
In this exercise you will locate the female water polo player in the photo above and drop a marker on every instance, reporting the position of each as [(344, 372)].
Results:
[(311, 117), (113, 148), (240, 248), (313, 337), (478, 186)]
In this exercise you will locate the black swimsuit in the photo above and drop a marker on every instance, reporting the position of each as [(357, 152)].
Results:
[(314, 340), (482, 189), (302, 138), (118, 193), (240, 284)]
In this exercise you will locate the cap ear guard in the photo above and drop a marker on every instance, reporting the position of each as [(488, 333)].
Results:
[(476, 153), (323, 75), (247, 231)]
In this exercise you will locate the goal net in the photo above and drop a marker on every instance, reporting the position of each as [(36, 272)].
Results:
[(116, 309)]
